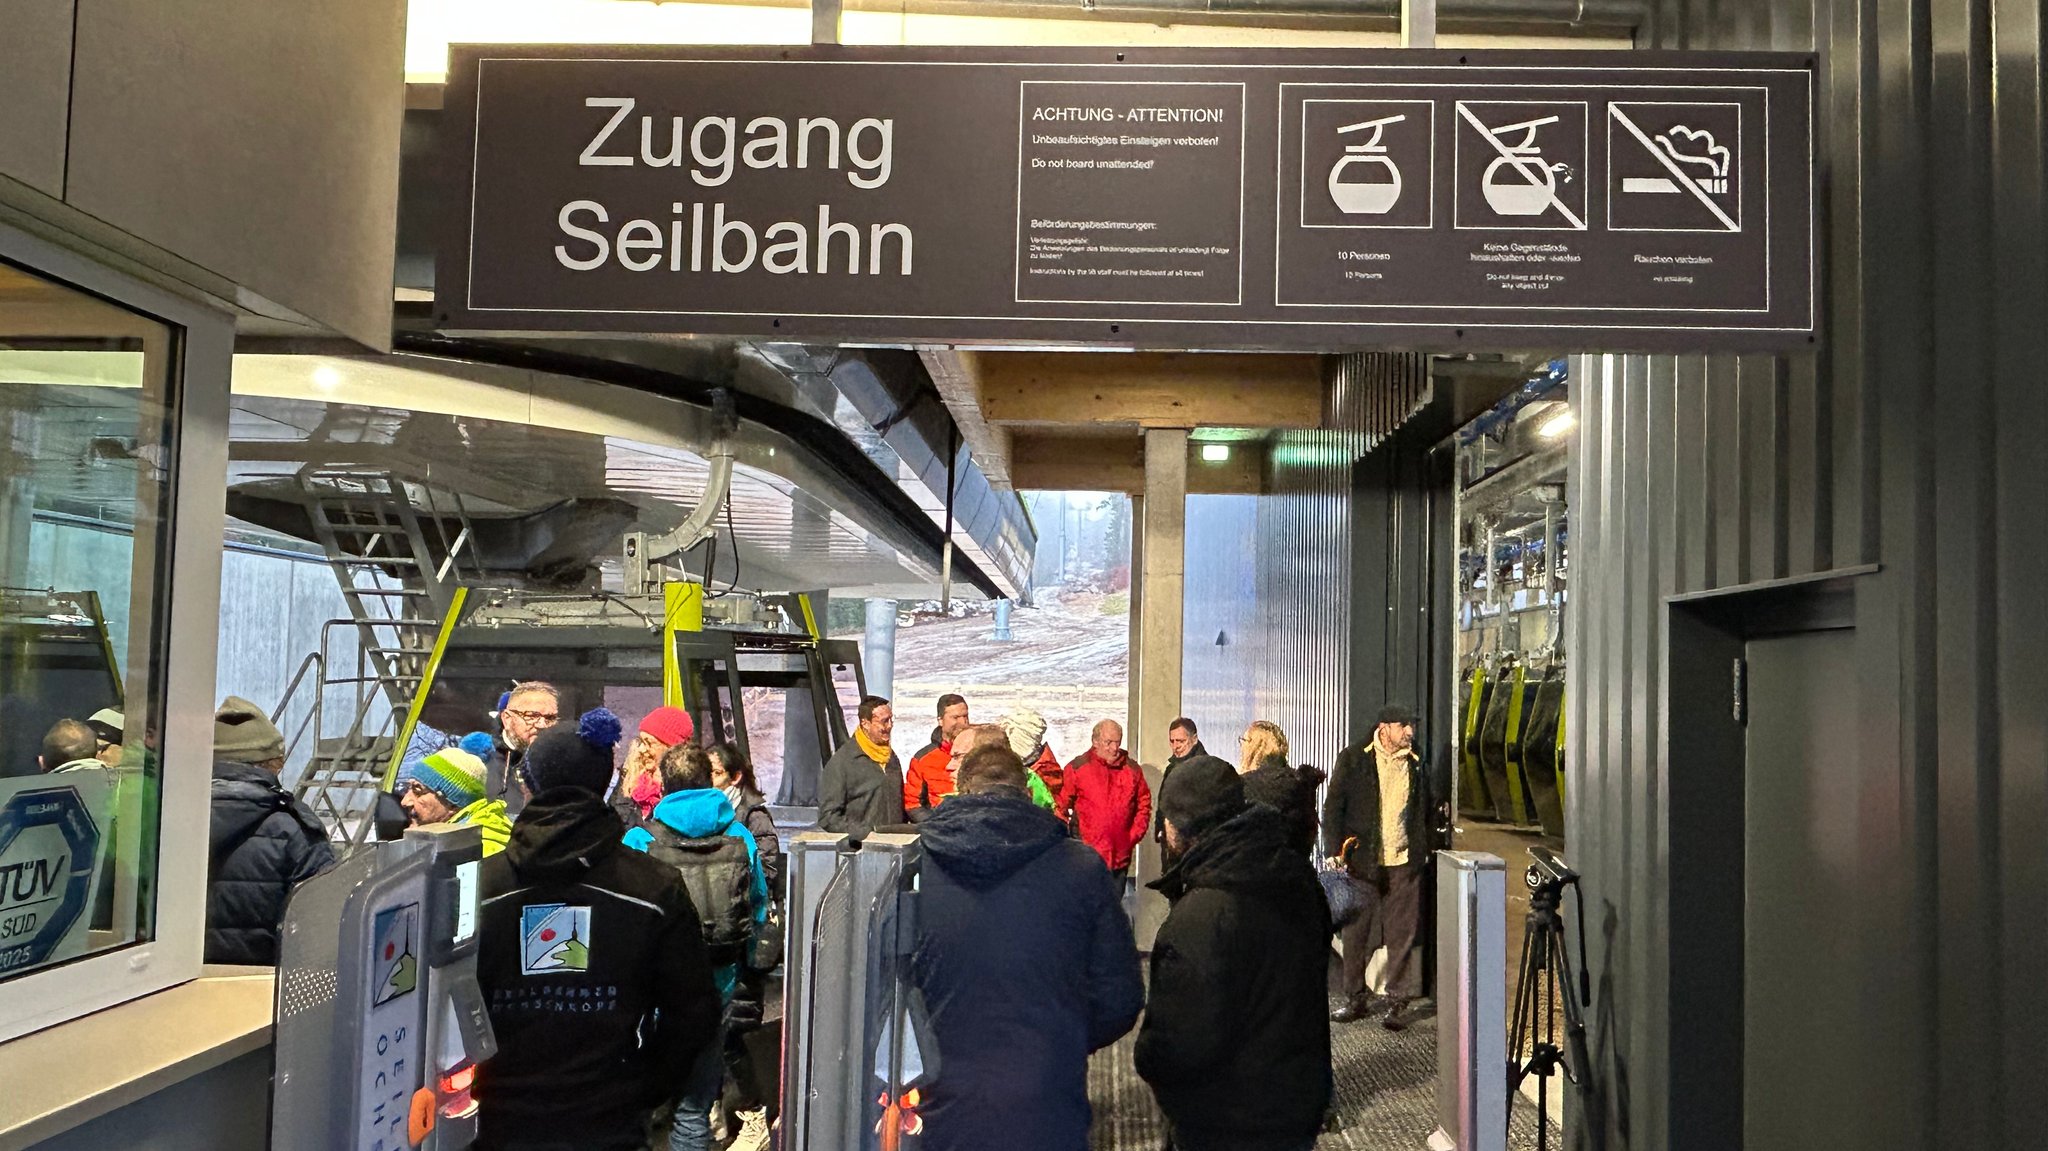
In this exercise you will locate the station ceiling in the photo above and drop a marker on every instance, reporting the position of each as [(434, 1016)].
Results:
[(508, 443)]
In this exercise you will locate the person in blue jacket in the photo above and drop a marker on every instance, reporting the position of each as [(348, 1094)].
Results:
[(694, 830), (1026, 962)]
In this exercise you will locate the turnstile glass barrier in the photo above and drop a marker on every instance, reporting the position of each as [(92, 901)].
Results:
[(857, 1047)]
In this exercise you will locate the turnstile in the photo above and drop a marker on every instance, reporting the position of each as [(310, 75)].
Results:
[(380, 1020), (1471, 992), (857, 1041)]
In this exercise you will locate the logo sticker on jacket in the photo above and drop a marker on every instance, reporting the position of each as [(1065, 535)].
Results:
[(554, 939)]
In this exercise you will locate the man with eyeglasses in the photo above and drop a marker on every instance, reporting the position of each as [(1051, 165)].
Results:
[(861, 787), (526, 711)]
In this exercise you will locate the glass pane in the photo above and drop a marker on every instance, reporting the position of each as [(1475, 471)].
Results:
[(85, 414)]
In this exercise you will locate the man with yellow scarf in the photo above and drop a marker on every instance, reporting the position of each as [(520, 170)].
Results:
[(862, 785)]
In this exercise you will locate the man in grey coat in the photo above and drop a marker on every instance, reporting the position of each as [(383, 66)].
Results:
[(862, 785)]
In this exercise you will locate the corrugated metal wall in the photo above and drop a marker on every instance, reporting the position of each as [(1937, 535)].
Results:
[(1268, 574), (1275, 575), (1913, 440)]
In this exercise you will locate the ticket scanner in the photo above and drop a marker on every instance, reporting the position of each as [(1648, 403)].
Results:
[(380, 1020)]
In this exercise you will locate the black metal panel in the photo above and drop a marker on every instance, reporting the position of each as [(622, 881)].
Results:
[(1912, 438)]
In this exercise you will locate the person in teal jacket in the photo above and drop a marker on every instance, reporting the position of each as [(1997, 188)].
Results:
[(726, 883)]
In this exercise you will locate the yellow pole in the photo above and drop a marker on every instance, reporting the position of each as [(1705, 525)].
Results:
[(419, 696), (682, 609)]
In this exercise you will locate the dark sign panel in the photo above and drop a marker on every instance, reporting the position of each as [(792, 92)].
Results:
[(1199, 199)]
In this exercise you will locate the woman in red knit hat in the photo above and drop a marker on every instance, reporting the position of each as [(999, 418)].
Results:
[(639, 787)]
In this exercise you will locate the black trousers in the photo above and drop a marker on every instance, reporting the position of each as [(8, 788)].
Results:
[(1392, 913)]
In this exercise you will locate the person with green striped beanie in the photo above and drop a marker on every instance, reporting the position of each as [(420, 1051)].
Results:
[(447, 786)]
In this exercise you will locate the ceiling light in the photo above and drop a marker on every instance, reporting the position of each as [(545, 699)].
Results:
[(326, 377), (1215, 453), (1557, 425)]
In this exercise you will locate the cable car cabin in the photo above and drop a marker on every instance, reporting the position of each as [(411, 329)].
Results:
[(753, 678)]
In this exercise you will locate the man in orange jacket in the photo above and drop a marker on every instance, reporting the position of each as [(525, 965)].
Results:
[(930, 778)]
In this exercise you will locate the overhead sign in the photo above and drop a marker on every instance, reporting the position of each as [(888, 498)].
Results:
[(50, 843), (1191, 199)]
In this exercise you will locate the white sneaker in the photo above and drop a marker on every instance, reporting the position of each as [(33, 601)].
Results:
[(719, 1129), (753, 1134)]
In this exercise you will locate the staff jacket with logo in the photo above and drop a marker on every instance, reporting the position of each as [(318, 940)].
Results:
[(593, 970)]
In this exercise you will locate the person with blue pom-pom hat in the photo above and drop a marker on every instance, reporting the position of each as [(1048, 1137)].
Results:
[(591, 958)]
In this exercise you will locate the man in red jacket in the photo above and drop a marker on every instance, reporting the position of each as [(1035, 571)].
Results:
[(1104, 793)]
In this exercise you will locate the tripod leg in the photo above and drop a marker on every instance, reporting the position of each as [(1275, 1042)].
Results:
[(1524, 1017), (1579, 1066)]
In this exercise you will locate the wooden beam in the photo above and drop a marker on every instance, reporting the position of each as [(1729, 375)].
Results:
[(987, 443), (1149, 389), (1067, 462)]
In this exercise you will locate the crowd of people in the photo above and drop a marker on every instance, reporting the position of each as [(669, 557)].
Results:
[(631, 913)]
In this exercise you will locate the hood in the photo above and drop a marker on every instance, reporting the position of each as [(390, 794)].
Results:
[(561, 832), (1249, 851), (698, 813), (244, 795), (984, 839)]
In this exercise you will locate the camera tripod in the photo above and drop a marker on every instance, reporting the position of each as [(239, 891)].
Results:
[(1546, 979)]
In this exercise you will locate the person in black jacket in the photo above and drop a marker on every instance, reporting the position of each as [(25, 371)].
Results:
[(1025, 959), (592, 963), (1185, 743), (1291, 791), (263, 842), (861, 787), (1235, 1044), (733, 773), (1376, 824)]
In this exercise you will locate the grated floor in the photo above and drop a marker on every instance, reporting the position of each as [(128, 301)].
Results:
[(1386, 1094)]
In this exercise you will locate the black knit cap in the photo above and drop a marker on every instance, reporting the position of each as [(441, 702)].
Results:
[(1200, 794), (1399, 713), (573, 757)]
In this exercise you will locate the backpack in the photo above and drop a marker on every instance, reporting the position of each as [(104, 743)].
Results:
[(719, 875)]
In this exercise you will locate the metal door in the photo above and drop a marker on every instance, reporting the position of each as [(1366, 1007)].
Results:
[(1799, 852)]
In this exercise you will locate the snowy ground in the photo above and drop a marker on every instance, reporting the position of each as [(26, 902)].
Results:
[(1067, 659)]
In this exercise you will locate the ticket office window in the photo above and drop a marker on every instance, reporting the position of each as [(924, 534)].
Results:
[(105, 577)]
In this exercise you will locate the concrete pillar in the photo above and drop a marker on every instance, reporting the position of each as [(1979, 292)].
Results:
[(1158, 567), (1163, 527), (1002, 634), (878, 648), (1134, 646)]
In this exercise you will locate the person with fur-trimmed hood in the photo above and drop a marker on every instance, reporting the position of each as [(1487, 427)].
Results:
[(592, 962)]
